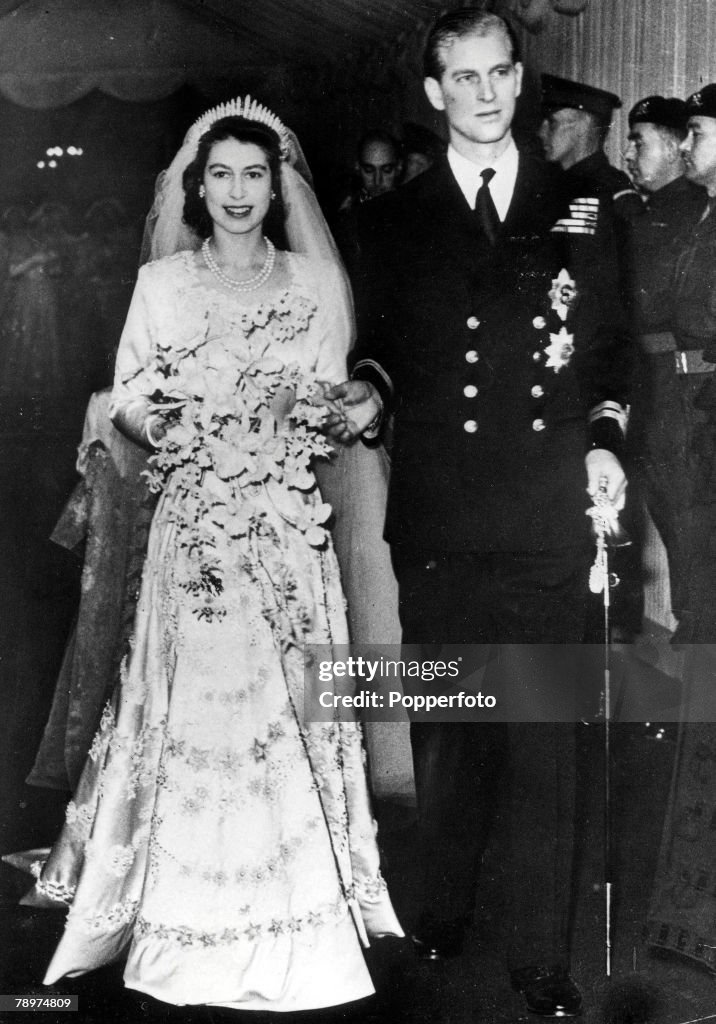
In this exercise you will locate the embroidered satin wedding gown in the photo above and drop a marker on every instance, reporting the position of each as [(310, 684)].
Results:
[(218, 835)]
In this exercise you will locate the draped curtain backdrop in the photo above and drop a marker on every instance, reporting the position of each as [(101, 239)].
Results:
[(52, 54), (634, 48)]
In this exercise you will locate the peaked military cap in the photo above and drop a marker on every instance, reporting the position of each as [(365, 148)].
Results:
[(558, 93), (703, 102), (671, 113)]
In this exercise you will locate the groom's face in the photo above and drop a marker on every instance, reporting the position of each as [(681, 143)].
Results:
[(478, 88)]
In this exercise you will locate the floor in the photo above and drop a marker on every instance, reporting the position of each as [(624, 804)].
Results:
[(38, 591)]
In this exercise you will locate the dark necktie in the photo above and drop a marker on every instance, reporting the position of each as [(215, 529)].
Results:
[(485, 211)]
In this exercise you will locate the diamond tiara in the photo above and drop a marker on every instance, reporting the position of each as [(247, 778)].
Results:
[(247, 108)]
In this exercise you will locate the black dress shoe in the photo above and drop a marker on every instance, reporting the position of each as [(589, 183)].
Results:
[(548, 991), (434, 939)]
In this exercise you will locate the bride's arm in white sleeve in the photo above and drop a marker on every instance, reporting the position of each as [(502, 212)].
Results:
[(135, 376), (337, 320)]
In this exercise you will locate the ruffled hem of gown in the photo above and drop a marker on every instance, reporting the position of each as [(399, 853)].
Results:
[(319, 968)]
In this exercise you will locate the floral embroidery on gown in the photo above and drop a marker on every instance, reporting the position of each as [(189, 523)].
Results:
[(220, 838)]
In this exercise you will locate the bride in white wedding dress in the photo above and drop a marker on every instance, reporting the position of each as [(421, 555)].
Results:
[(218, 837)]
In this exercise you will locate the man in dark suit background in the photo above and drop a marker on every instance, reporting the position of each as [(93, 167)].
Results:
[(499, 370)]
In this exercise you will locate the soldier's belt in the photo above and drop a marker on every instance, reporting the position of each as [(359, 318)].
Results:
[(685, 360)]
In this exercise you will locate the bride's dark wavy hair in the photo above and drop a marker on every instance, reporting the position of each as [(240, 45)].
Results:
[(196, 215)]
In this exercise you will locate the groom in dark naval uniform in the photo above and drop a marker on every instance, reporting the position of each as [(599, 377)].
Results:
[(499, 366)]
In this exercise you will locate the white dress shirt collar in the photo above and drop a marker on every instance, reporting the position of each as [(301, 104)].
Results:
[(467, 175)]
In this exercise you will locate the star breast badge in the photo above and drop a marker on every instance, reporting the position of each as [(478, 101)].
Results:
[(560, 349), (563, 294)]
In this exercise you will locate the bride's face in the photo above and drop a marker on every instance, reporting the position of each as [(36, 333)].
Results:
[(237, 179)]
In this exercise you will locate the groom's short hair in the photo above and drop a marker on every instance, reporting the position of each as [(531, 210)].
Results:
[(465, 21)]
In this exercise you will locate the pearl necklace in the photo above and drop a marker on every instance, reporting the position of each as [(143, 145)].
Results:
[(251, 283)]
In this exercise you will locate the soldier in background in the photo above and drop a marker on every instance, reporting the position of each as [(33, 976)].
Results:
[(574, 130), (671, 203), (693, 322), (682, 916), (661, 420)]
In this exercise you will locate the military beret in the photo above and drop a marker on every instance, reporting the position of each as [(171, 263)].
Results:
[(558, 93), (703, 102), (671, 113)]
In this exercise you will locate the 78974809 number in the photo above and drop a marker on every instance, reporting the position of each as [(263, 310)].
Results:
[(25, 1003)]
